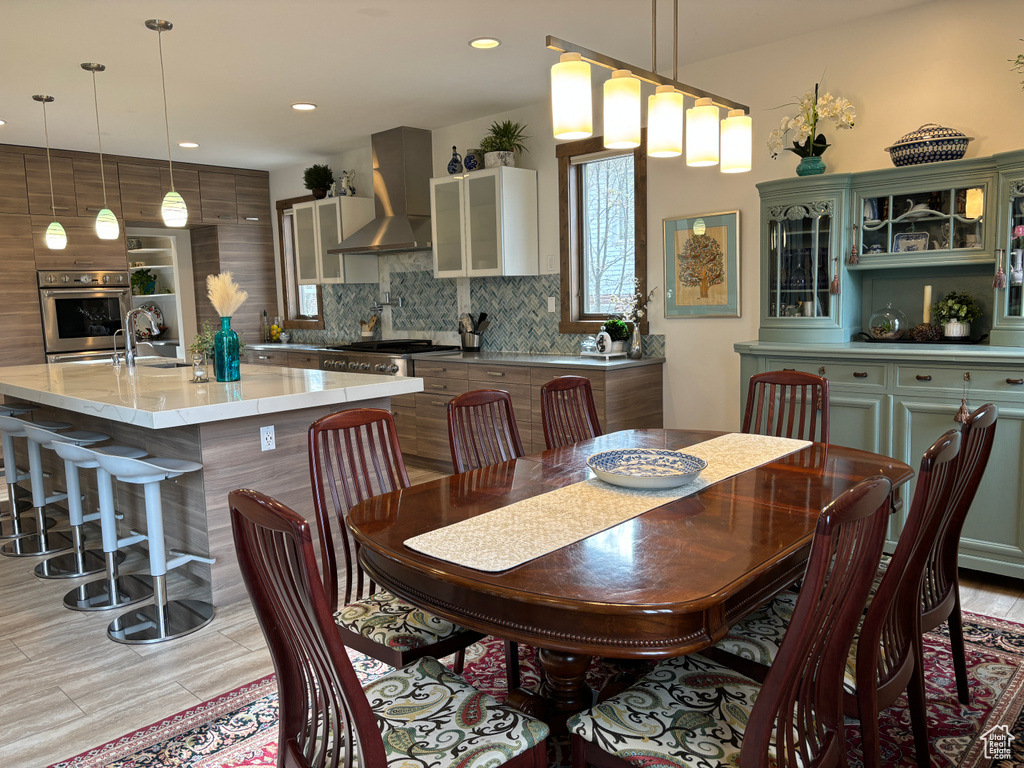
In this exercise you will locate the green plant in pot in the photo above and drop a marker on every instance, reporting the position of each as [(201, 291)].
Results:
[(143, 282), (501, 143), (318, 179), (955, 312), (617, 329)]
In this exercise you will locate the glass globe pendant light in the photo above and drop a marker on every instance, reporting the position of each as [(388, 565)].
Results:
[(173, 210), (107, 227), (571, 101), (56, 237), (736, 142), (622, 111)]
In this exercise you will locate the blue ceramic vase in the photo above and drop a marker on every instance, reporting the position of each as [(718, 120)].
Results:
[(455, 164), (810, 166), (225, 352)]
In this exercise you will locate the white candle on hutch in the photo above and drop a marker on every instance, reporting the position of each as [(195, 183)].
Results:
[(927, 304)]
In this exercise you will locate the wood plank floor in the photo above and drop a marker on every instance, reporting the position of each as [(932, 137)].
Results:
[(66, 687)]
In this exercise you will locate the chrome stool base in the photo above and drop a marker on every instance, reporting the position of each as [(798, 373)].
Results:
[(150, 624), (56, 541), (70, 565), (26, 527), (95, 596)]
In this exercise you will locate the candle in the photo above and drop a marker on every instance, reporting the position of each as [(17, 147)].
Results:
[(927, 304)]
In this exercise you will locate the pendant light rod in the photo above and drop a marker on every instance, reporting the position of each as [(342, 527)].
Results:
[(160, 26), (654, 35), (44, 100), (675, 39), (564, 46), (94, 68)]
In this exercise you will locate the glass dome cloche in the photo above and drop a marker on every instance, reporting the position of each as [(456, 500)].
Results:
[(888, 323)]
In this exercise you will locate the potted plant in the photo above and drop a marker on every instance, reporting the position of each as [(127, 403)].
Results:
[(955, 312), (501, 143), (618, 331), (318, 179), (143, 282)]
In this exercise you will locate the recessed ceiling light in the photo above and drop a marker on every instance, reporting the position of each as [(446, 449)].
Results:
[(3, 122), (485, 42), (304, 106), (187, 144)]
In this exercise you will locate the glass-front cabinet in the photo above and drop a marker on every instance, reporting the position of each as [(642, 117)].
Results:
[(1008, 328)]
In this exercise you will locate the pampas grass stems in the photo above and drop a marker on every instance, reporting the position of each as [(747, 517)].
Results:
[(224, 294)]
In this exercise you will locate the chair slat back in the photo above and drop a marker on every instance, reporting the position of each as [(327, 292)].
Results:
[(482, 429), (353, 456), (799, 707), (788, 404), (325, 719), (567, 411)]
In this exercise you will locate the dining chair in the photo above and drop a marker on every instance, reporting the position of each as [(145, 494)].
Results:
[(354, 455), (692, 711), (482, 429), (886, 656), (787, 404), (567, 411), (422, 714)]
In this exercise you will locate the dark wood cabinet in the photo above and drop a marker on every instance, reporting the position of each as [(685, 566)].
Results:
[(252, 195), (84, 251), (141, 193), (38, 179), (19, 297), (89, 186), (13, 189), (218, 197)]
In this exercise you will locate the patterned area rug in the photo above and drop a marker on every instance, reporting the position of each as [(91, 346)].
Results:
[(239, 729)]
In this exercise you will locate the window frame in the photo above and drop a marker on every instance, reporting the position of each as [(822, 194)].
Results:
[(570, 217), (288, 285)]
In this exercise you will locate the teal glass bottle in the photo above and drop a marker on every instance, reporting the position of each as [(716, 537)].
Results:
[(225, 352)]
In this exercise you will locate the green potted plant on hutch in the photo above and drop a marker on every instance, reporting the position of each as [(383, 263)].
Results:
[(318, 179), (501, 143), (955, 312)]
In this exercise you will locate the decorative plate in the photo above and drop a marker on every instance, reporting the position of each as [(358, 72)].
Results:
[(142, 329), (646, 467), (908, 242)]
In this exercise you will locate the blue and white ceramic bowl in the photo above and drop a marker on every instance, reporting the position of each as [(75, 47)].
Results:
[(930, 143), (646, 467)]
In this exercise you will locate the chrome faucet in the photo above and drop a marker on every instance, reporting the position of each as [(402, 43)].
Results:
[(129, 334), (379, 306)]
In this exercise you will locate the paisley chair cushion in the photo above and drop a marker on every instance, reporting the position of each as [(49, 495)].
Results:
[(430, 717), (392, 622), (688, 712)]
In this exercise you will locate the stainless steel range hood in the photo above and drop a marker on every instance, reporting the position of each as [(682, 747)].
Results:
[(402, 165)]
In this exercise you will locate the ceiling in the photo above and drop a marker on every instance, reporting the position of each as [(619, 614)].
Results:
[(234, 67)]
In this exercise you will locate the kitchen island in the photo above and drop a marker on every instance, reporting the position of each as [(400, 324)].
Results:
[(157, 407)]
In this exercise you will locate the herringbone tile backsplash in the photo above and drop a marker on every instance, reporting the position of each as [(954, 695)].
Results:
[(516, 306)]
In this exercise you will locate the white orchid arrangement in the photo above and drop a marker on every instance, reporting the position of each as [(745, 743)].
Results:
[(807, 142), (634, 307)]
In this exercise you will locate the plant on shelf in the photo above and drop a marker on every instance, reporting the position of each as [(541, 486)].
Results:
[(318, 179), (807, 142), (956, 311), (616, 328), (506, 138), (143, 282)]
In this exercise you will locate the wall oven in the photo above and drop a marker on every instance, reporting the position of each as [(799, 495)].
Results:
[(82, 311)]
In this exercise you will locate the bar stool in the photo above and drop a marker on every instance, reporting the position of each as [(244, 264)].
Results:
[(113, 590), (13, 524), (79, 561), (165, 619), (42, 541)]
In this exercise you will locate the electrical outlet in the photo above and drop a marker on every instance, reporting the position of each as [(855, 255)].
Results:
[(551, 262), (551, 303), (267, 438)]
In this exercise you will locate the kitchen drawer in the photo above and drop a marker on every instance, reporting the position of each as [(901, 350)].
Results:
[(858, 374), (404, 401), (266, 356), (439, 370), (521, 404), (497, 376), (449, 387), (303, 360), (991, 382), (432, 426), (542, 375), (405, 425)]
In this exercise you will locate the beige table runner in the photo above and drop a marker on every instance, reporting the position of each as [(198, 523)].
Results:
[(510, 536)]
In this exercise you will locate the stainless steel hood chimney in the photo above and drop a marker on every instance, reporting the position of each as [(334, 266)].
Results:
[(402, 165)]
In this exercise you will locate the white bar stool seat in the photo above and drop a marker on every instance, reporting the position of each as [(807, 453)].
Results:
[(164, 619), (43, 541), (13, 522)]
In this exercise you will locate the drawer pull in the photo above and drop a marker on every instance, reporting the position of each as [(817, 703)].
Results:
[(227, 216), (1017, 382), (860, 374), (439, 403), (926, 377), (821, 371), (83, 263), (262, 357), (789, 369), (439, 386), (499, 374)]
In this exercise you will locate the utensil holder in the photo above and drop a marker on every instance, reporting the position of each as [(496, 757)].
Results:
[(471, 341)]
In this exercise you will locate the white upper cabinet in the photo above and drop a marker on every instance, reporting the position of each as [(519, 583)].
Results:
[(320, 225), (484, 223)]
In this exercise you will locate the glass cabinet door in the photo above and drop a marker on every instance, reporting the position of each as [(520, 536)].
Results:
[(943, 219), (483, 223), (1014, 266), (446, 221), (328, 221), (799, 260), (305, 243)]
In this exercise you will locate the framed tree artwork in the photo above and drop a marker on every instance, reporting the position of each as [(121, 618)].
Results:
[(702, 265)]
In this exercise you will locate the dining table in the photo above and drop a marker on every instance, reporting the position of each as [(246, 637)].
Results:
[(665, 582)]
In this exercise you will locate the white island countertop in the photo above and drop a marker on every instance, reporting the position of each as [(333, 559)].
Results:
[(158, 396)]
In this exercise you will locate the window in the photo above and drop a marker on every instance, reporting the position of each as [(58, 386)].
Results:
[(302, 302), (602, 223)]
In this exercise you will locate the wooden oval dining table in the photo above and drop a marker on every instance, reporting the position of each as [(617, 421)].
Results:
[(667, 582)]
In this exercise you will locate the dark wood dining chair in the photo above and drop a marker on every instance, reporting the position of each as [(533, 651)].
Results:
[(787, 404), (691, 711), (886, 657), (327, 718), (353, 456), (482, 429), (567, 411)]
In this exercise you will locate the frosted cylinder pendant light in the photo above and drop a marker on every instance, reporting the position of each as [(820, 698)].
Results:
[(736, 142), (702, 134), (173, 210), (665, 122), (572, 111), (56, 237), (622, 111), (107, 227)]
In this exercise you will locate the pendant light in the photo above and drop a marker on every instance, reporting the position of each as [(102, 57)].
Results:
[(107, 227), (571, 100), (702, 133), (56, 237), (173, 210), (665, 107), (622, 111), (736, 142)]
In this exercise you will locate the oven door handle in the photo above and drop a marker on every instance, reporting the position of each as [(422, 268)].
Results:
[(83, 293)]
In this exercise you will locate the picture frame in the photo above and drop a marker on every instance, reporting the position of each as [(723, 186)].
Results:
[(702, 265)]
